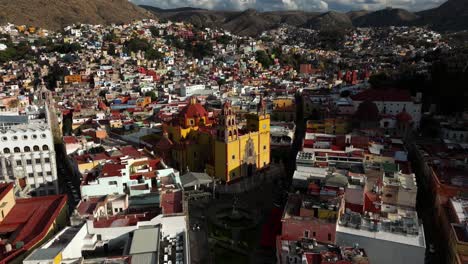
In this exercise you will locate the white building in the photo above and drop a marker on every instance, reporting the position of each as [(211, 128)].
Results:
[(385, 247), (143, 239), (189, 90), (392, 102), (27, 153)]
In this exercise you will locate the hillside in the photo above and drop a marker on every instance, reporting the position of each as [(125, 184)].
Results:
[(55, 14), (329, 20), (385, 17), (450, 16)]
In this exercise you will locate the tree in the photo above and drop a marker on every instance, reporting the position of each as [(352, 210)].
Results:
[(67, 125), (224, 39), (137, 44), (380, 80), (154, 31), (109, 37), (152, 54), (111, 49), (152, 94), (102, 93), (262, 57)]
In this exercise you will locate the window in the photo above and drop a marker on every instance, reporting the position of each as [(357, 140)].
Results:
[(233, 157), (43, 135), (29, 162), (17, 150), (38, 160), (45, 147), (116, 210), (49, 173), (27, 149), (306, 234), (264, 147), (34, 136), (36, 148), (30, 175), (19, 163), (47, 160), (40, 174), (329, 237), (314, 234), (6, 150), (112, 182), (15, 138), (4, 138), (25, 137)]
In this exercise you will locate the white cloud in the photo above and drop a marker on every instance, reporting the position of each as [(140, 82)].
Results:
[(266, 5), (412, 5), (306, 5)]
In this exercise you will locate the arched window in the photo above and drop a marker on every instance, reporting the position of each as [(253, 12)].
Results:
[(17, 150), (36, 148), (6, 150), (45, 147), (230, 133), (27, 149)]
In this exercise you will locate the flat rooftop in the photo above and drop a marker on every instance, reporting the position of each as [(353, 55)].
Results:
[(145, 240), (417, 241)]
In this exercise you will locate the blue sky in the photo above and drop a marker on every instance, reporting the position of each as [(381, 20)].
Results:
[(307, 5)]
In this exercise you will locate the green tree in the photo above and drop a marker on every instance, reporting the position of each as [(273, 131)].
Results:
[(67, 125), (137, 44), (224, 39), (262, 57), (111, 49), (109, 37), (154, 31), (152, 54), (152, 94)]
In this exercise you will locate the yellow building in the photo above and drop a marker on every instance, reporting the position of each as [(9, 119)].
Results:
[(335, 126), (224, 151)]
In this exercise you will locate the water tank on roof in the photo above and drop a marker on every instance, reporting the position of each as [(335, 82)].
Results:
[(8, 247), (19, 244)]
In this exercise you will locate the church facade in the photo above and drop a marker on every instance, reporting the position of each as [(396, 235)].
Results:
[(219, 147)]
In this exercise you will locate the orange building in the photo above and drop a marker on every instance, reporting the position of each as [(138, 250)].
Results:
[(73, 78)]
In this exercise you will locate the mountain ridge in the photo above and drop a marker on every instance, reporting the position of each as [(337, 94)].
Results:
[(56, 14), (252, 22)]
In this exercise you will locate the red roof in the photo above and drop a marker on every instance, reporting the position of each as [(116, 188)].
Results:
[(171, 202), (30, 220), (112, 170), (193, 110), (70, 140), (392, 95), (87, 207)]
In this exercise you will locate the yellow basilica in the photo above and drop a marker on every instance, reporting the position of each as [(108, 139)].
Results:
[(218, 146)]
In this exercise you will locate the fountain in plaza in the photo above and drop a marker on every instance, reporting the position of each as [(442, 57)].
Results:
[(233, 219)]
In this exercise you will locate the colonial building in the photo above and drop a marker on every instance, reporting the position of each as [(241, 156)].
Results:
[(27, 157), (392, 102), (198, 142)]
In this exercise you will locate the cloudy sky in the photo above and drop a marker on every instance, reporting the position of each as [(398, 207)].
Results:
[(308, 5)]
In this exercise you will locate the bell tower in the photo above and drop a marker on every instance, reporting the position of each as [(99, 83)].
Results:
[(227, 127)]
